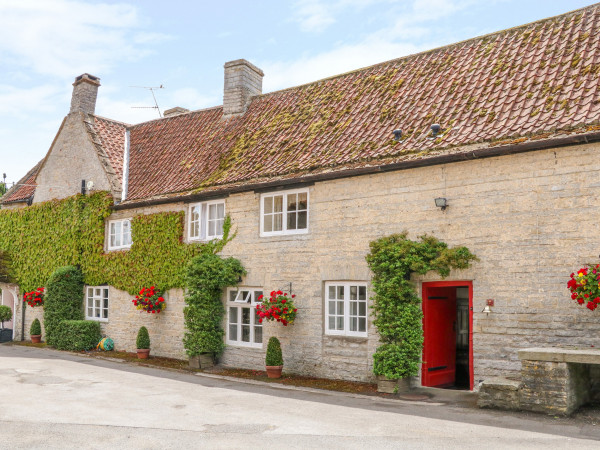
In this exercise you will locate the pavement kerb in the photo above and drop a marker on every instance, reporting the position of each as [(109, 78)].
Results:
[(247, 381)]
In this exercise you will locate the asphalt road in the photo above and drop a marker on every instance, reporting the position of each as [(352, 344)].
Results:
[(58, 400)]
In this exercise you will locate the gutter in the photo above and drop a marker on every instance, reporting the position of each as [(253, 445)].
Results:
[(488, 152)]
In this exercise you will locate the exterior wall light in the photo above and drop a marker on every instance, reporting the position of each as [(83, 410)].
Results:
[(441, 202), (488, 304)]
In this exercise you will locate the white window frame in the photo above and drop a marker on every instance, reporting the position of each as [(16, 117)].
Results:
[(204, 220), (97, 312), (250, 301), (346, 313), (121, 246), (284, 230)]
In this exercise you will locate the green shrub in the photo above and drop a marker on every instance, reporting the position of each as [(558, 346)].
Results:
[(63, 300), (77, 335), (143, 339), (207, 275), (274, 356), (5, 314), (36, 328)]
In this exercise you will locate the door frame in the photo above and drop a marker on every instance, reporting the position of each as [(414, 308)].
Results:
[(469, 284)]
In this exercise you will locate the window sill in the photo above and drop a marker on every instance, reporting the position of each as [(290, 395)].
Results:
[(245, 346), (354, 337), (116, 249), (97, 319)]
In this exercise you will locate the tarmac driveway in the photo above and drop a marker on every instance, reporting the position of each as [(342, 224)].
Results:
[(59, 400)]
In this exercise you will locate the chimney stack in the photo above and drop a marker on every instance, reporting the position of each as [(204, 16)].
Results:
[(175, 111), (85, 91), (243, 80)]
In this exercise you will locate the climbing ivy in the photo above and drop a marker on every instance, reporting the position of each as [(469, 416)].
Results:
[(396, 305), (45, 236), (4, 267), (206, 276)]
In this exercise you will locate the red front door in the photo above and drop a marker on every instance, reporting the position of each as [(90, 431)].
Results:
[(439, 327)]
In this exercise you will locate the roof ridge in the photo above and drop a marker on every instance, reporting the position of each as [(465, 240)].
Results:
[(96, 116), (195, 111), (430, 51)]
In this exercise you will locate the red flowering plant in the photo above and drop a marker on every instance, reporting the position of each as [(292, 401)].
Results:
[(585, 286), (279, 307), (150, 300), (34, 298)]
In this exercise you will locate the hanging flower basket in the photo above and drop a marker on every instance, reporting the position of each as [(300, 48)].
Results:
[(150, 300), (279, 307), (585, 286), (34, 298)]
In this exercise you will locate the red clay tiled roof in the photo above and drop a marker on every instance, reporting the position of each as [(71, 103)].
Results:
[(538, 79), (112, 139), (25, 187)]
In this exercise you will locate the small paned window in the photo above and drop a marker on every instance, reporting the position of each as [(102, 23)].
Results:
[(96, 303), (284, 213), (243, 326), (206, 220), (346, 309), (119, 234)]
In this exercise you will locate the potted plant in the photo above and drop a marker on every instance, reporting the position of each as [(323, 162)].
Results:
[(5, 316), (35, 331), (143, 343), (274, 359)]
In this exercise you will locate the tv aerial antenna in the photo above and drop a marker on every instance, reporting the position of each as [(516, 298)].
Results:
[(151, 89)]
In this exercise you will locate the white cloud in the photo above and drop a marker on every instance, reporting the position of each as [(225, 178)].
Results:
[(20, 102), (63, 37)]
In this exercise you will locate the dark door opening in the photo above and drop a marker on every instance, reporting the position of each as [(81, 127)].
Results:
[(447, 319)]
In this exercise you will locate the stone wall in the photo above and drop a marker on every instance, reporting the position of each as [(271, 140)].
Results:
[(72, 158), (527, 217)]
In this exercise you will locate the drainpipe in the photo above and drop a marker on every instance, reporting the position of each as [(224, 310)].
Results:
[(22, 317)]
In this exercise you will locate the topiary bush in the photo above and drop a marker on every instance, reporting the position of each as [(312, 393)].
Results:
[(77, 335), (143, 339), (207, 275), (5, 314), (36, 328), (63, 301), (274, 356)]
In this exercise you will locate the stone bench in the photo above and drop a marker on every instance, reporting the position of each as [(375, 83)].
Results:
[(556, 380)]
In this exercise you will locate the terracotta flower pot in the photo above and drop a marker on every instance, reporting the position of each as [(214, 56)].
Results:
[(143, 353), (36, 338), (274, 371)]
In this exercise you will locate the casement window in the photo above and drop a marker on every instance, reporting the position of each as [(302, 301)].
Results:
[(119, 234), (243, 326), (96, 303), (206, 220), (284, 213), (346, 308)]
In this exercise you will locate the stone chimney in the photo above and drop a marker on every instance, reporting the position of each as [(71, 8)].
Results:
[(175, 111), (85, 91), (243, 80)]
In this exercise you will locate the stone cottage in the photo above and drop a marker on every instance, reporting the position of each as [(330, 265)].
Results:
[(491, 143)]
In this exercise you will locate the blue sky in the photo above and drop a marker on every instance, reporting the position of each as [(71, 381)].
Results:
[(45, 44)]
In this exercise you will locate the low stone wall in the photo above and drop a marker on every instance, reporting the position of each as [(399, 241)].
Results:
[(499, 393)]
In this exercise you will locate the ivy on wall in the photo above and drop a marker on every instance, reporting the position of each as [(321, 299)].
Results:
[(43, 237), (396, 304)]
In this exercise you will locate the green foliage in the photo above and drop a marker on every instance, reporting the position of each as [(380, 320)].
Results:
[(63, 301), (5, 314), (274, 356), (4, 267), (77, 335), (397, 307), (143, 339), (45, 236), (36, 328), (3, 188), (206, 276)]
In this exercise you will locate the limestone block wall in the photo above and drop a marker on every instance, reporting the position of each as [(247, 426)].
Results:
[(30, 315), (72, 158)]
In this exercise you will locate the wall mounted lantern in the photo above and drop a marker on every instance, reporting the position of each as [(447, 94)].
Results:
[(441, 202)]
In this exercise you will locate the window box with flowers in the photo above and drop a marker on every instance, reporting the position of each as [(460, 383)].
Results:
[(150, 300)]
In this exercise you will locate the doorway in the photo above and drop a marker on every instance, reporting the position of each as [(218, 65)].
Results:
[(448, 334)]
